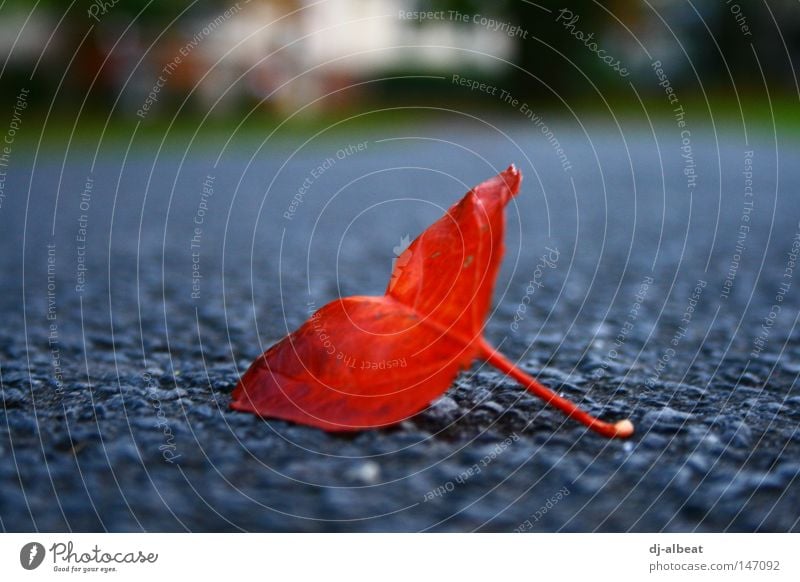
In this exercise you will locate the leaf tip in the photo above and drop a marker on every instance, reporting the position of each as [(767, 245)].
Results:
[(512, 178)]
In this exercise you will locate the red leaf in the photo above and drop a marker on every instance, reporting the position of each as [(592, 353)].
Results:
[(365, 362)]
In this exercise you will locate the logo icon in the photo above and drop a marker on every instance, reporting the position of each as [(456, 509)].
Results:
[(401, 258), (31, 555)]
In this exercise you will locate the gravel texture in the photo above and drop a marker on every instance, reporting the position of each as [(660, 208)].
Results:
[(132, 430)]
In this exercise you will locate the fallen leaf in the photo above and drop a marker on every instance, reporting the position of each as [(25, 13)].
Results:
[(364, 362)]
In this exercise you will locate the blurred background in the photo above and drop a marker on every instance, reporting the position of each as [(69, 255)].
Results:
[(98, 60)]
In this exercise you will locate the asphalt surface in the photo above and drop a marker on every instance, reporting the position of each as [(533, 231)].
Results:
[(655, 303)]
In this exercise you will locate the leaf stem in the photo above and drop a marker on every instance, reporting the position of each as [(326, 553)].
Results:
[(621, 429)]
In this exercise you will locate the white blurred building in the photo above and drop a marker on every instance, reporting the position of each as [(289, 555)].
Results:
[(294, 52)]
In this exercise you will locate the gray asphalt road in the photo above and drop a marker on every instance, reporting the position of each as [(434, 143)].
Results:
[(670, 295)]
